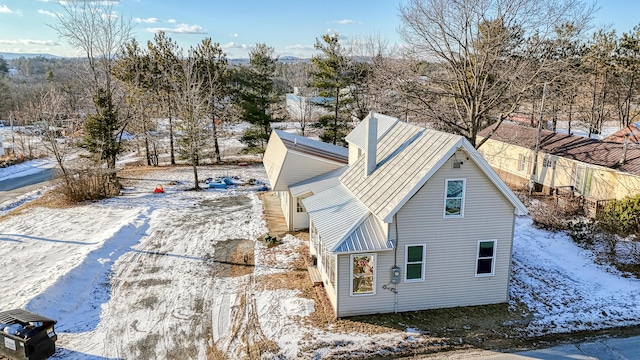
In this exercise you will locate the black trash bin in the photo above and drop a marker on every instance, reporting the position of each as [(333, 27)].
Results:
[(25, 335)]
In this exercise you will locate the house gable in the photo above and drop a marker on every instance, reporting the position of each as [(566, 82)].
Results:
[(290, 159), (407, 156), (451, 243)]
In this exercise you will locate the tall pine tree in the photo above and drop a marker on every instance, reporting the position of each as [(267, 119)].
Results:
[(256, 96)]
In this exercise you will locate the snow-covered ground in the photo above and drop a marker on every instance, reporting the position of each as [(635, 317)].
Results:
[(151, 276)]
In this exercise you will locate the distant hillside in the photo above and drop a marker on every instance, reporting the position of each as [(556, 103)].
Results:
[(12, 56)]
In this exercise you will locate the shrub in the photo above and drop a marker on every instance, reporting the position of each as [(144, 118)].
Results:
[(90, 184), (621, 217), (547, 214)]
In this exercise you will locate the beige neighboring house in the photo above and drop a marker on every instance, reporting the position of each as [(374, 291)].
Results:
[(595, 169), (417, 220)]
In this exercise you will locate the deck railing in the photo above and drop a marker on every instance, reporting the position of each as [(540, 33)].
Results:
[(591, 206)]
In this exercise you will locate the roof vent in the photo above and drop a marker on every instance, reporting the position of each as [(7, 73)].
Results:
[(457, 164)]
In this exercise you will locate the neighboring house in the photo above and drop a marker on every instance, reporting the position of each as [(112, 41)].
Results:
[(417, 220), (631, 133), (291, 159), (305, 108), (597, 169)]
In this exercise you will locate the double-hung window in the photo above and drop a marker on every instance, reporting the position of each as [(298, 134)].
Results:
[(486, 258), (363, 279), (415, 263), (454, 198)]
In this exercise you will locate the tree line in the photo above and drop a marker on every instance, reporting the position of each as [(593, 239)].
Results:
[(464, 65)]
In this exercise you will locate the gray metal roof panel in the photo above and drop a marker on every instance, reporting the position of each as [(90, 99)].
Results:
[(405, 156), (368, 236), (335, 212), (319, 183), (313, 147)]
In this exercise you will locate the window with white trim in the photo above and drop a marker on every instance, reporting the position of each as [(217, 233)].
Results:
[(363, 279), (549, 163), (486, 258), (524, 163), (300, 206), (415, 259), (454, 198)]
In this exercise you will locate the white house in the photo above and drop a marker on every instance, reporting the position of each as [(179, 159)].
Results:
[(292, 160), (417, 220)]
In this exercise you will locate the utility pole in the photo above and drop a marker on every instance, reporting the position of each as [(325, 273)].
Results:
[(534, 171)]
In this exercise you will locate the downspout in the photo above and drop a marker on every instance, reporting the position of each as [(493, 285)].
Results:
[(513, 228), (395, 263), (336, 285)]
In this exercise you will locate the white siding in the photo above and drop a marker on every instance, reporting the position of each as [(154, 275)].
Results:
[(381, 302), (285, 206), (354, 153), (451, 246), (273, 160), (300, 167)]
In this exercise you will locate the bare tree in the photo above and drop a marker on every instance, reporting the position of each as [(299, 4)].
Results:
[(482, 56), (48, 110), (188, 87), (95, 29)]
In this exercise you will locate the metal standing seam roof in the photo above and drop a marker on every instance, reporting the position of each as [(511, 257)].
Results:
[(304, 145), (339, 217), (590, 151), (319, 183), (368, 236), (359, 134), (406, 157)]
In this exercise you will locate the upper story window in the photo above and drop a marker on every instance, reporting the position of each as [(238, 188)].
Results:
[(454, 198)]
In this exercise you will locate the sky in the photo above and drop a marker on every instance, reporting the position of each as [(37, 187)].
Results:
[(290, 27)]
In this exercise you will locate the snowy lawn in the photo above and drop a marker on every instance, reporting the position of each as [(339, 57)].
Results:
[(180, 275)]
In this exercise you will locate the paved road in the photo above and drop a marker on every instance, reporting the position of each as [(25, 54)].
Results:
[(18, 182), (604, 349), (13, 188)]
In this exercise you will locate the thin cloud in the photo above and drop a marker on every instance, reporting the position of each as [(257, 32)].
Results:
[(234, 35), (172, 21), (48, 13), (233, 45), (4, 9), (30, 42), (150, 20), (299, 47), (180, 29), (345, 22)]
